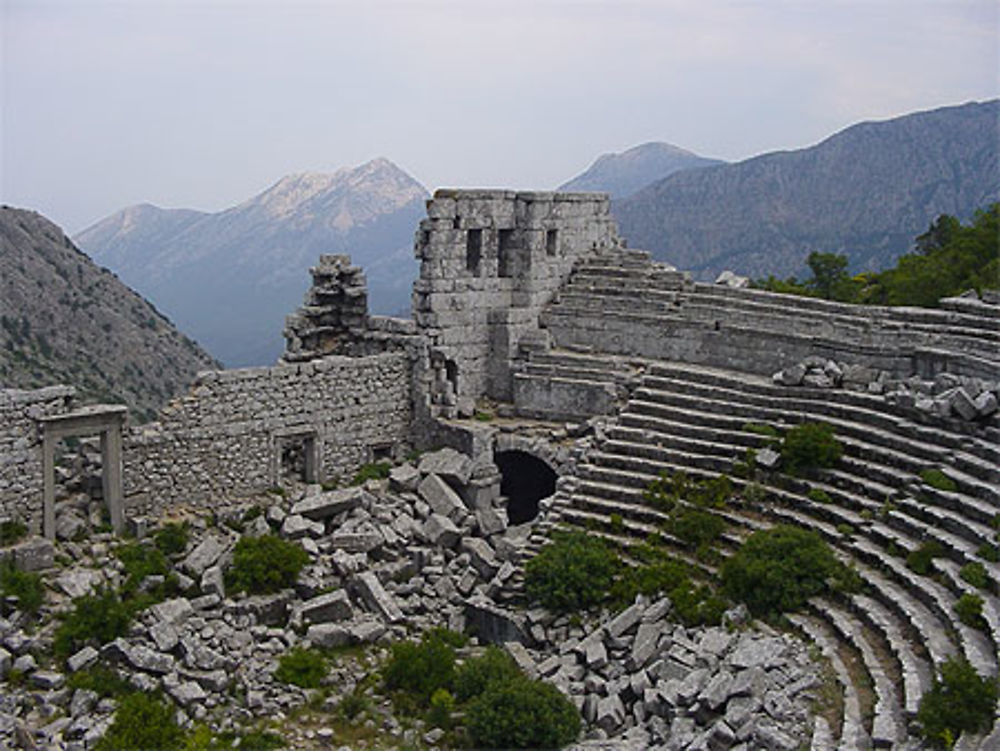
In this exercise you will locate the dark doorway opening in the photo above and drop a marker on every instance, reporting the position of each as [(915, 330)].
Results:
[(525, 480), (297, 459)]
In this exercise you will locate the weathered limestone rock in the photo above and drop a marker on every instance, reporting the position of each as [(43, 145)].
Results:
[(440, 497), (405, 478), (205, 554), (481, 556), (326, 608), (174, 611), (448, 464), (78, 661), (441, 531), (326, 505), (370, 590)]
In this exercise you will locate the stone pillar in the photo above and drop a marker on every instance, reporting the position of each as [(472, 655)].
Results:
[(48, 486), (111, 475)]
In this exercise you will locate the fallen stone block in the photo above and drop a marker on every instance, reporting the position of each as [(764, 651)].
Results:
[(440, 497), (174, 611), (327, 505), (610, 713), (963, 405), (405, 477), (490, 521), (297, 526), (187, 693), (986, 404), (356, 542), (448, 464), (34, 554), (370, 590), (481, 556), (326, 608), (205, 554), (78, 661), (328, 635), (441, 531)]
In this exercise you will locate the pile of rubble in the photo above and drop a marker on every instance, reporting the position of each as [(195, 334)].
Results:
[(430, 547), (947, 395)]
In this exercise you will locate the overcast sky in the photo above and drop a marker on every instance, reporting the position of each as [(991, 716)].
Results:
[(203, 104)]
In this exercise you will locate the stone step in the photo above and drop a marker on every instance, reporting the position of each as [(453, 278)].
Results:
[(916, 671), (888, 726), (852, 735)]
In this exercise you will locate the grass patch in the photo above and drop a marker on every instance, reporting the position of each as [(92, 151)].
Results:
[(921, 559), (938, 480), (372, 471), (11, 532), (25, 586)]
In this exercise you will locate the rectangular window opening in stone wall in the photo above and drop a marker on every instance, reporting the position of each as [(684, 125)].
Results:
[(551, 242), (505, 253), (473, 250), (382, 452)]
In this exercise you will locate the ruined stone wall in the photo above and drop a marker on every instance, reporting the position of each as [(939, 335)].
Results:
[(20, 453), (489, 261), (224, 439)]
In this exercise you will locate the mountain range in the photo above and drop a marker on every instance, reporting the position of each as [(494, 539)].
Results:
[(65, 320), (229, 278), (631, 170), (865, 192)]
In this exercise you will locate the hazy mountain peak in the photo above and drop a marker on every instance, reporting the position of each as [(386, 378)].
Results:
[(624, 173)]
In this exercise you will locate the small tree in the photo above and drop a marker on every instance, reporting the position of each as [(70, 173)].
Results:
[(829, 273), (779, 569), (575, 571), (522, 714), (959, 701), (810, 446), (142, 722)]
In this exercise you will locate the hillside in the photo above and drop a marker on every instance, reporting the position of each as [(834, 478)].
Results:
[(65, 320), (625, 173), (229, 278), (865, 192)]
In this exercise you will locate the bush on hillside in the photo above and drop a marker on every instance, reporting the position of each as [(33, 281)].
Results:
[(25, 586), (99, 618), (959, 701), (521, 713), (301, 667), (142, 722), (476, 674), (415, 670), (172, 538), (938, 480), (11, 532), (573, 572), (921, 560), (265, 564), (810, 446), (777, 570)]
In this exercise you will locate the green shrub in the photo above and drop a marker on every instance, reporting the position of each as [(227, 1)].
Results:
[(959, 701), (921, 559), (779, 569), (100, 679), (142, 722), (265, 564), (975, 574), (415, 671), (575, 571), (696, 528), (25, 586), (615, 523), (476, 674), (352, 705), (938, 480), (301, 667), (660, 575), (442, 706), (372, 471), (818, 495), (696, 605), (659, 494), (522, 714), (140, 561), (810, 446), (172, 539), (989, 552), (11, 532), (100, 618), (970, 611), (710, 493)]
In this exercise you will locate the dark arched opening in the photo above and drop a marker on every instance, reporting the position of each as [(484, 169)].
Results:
[(525, 480)]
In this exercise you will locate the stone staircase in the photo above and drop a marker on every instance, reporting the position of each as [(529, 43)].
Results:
[(695, 419)]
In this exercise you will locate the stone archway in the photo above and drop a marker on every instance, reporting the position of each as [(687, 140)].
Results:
[(525, 481), (105, 420)]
